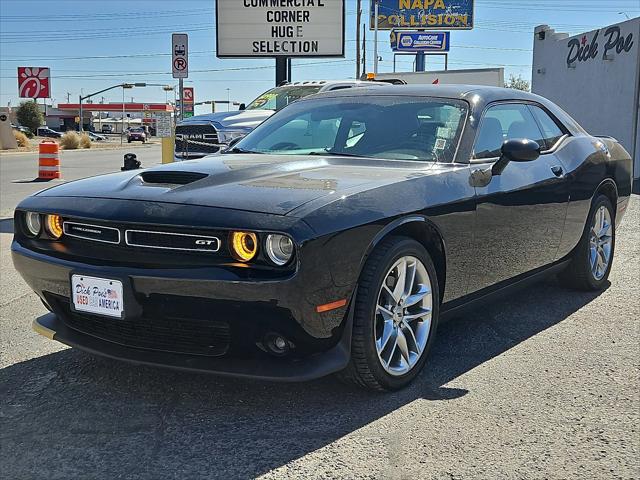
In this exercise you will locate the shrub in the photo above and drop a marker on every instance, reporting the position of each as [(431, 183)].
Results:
[(21, 138), (85, 141), (70, 141), (29, 115)]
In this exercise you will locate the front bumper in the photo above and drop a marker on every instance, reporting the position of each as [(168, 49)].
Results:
[(251, 308), (261, 367)]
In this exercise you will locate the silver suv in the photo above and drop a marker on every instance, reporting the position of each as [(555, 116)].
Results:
[(205, 134)]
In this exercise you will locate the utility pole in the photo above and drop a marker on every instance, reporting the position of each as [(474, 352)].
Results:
[(358, 20), (375, 40), (364, 49), (68, 97)]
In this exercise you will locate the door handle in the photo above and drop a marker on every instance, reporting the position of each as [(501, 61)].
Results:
[(557, 170)]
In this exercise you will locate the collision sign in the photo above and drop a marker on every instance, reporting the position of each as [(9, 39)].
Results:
[(423, 14), (273, 28)]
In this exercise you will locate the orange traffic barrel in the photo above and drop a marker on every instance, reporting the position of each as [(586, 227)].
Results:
[(49, 162)]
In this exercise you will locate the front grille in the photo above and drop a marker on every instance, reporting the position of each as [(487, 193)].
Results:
[(196, 140), (172, 241), (195, 336), (96, 233)]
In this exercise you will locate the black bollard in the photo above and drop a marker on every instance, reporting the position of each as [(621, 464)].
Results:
[(131, 162)]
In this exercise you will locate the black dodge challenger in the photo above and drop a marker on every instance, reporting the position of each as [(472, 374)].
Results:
[(332, 238)]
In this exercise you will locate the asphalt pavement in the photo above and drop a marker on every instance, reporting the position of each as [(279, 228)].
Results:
[(542, 385)]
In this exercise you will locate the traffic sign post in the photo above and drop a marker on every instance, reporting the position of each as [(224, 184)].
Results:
[(180, 61), (180, 55)]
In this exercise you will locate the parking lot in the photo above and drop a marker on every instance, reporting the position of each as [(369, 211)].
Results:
[(544, 384)]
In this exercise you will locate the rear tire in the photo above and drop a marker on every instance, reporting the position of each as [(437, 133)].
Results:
[(383, 324), (592, 259)]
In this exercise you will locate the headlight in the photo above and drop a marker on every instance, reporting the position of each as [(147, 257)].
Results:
[(33, 223), (244, 245), (279, 248), (53, 225), (226, 136)]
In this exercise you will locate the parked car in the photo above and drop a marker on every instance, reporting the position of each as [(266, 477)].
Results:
[(136, 135), (48, 132), (332, 238), (205, 134), (96, 137), (107, 128), (22, 129)]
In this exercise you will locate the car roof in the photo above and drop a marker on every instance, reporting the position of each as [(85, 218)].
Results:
[(324, 84), (471, 93)]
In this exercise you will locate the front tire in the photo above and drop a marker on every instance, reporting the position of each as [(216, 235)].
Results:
[(592, 259), (395, 315)]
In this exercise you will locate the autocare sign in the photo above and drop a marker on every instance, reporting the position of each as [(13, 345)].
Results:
[(180, 55), (33, 82), (424, 14), (420, 42), (274, 28)]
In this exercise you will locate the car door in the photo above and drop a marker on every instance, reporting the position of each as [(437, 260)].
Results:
[(520, 213)]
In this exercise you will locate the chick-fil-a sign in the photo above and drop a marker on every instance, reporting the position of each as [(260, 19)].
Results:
[(33, 82)]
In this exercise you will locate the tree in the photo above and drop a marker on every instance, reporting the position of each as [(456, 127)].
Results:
[(29, 115), (518, 83)]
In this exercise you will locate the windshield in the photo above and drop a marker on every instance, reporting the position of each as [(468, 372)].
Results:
[(137, 130), (279, 97), (390, 127)]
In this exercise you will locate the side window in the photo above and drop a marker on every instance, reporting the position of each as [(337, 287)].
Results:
[(550, 129), (504, 122), (339, 87)]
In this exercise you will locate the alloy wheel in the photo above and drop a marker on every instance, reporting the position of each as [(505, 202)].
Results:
[(600, 242), (403, 315)]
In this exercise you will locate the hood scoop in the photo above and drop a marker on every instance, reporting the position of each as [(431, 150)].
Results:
[(171, 177)]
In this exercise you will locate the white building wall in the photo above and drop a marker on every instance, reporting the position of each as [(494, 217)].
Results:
[(601, 92)]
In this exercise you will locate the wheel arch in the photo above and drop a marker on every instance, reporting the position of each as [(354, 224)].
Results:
[(425, 232), (609, 189)]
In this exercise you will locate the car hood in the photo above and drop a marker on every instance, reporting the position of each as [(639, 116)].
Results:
[(274, 184), (237, 120)]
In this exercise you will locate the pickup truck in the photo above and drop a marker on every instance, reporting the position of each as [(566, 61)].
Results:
[(206, 134)]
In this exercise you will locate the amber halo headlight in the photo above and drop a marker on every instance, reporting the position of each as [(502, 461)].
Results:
[(53, 224), (244, 245), (279, 249), (32, 223)]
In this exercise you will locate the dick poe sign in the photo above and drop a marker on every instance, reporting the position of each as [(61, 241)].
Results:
[(280, 28)]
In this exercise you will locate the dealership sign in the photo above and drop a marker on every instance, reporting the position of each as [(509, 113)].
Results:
[(584, 49), (33, 82), (274, 28), (414, 42), (423, 14)]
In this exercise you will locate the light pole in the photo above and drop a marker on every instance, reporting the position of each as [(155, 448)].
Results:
[(228, 99), (123, 85)]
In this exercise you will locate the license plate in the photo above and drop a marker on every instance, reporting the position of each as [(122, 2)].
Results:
[(97, 295)]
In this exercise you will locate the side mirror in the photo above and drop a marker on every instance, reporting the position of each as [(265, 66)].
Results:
[(516, 150), (242, 106), (233, 142)]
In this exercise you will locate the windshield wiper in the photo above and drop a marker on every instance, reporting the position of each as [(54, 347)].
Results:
[(331, 153), (242, 150)]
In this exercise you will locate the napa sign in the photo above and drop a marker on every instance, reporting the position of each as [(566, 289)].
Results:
[(423, 14), (416, 42)]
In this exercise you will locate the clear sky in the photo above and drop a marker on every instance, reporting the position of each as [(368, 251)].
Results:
[(93, 44)]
